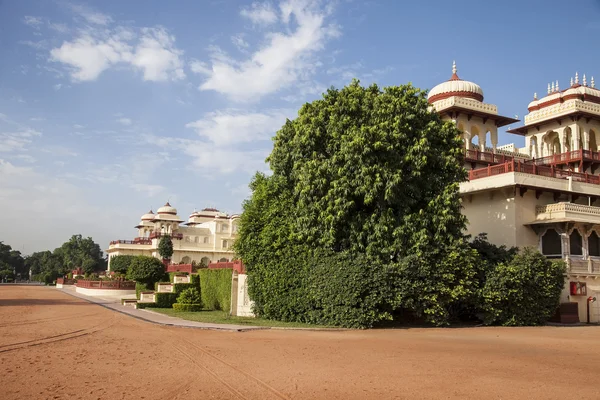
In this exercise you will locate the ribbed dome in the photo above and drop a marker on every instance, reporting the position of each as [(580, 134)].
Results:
[(167, 209), (148, 216), (455, 87)]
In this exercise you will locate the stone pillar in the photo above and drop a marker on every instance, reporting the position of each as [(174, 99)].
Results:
[(586, 137), (482, 140), (562, 139), (575, 135), (494, 137)]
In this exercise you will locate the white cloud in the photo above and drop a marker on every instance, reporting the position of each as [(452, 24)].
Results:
[(17, 141), (287, 56), (124, 121), (61, 28), (57, 86), (26, 158), (88, 57), (34, 22), (225, 128), (157, 56), (77, 126), (94, 50), (260, 13), (91, 16), (148, 189)]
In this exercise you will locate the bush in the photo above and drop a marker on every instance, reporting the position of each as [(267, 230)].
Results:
[(141, 287), (350, 291), (165, 300), (215, 288), (165, 247), (187, 307), (120, 264), (524, 291), (189, 296), (147, 270)]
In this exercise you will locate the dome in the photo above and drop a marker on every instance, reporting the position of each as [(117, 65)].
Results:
[(167, 209), (148, 216), (455, 87)]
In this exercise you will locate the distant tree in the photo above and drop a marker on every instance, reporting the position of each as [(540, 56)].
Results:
[(146, 270), (165, 247), (12, 259), (120, 264), (524, 291), (81, 252)]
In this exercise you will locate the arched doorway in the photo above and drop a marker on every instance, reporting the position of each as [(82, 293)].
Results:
[(551, 244), (593, 141)]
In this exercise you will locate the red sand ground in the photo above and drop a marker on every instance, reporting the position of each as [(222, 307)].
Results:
[(54, 346)]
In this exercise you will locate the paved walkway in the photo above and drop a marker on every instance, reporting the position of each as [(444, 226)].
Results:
[(154, 317)]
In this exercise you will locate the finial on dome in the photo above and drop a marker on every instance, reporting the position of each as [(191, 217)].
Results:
[(552, 87), (454, 67), (593, 83), (535, 96), (571, 81), (576, 78), (557, 89), (584, 80), (549, 89)]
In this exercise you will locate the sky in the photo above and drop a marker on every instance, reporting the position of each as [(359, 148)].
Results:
[(110, 108)]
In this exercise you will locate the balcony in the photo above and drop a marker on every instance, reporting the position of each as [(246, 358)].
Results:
[(158, 235), (583, 267), (534, 169), (486, 157), (567, 212), (137, 241), (577, 156)]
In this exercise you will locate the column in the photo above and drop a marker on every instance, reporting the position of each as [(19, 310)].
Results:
[(467, 140), (562, 139), (482, 139), (494, 137), (575, 135)]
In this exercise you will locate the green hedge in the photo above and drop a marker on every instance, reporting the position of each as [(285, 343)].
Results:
[(145, 305), (141, 287), (215, 288), (187, 307), (165, 300)]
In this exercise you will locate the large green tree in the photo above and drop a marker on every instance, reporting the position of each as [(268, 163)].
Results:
[(364, 173), (81, 252), (146, 270)]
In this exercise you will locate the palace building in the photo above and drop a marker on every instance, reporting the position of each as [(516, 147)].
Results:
[(546, 194), (206, 237)]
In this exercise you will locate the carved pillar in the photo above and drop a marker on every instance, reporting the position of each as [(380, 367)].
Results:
[(467, 140), (586, 137), (482, 140), (562, 139)]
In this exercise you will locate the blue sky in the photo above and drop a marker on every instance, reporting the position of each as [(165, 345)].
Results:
[(108, 108)]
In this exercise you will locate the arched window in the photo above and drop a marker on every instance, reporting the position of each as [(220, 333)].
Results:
[(186, 260), (576, 243), (206, 239), (594, 245), (205, 261), (551, 244), (223, 260)]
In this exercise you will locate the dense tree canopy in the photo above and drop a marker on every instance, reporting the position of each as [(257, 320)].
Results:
[(121, 263), (81, 252), (146, 270), (11, 260), (362, 174)]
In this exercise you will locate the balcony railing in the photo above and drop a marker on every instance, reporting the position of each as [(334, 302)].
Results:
[(134, 241), (486, 157), (157, 235), (518, 166), (568, 157), (567, 207)]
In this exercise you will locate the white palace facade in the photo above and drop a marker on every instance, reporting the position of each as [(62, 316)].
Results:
[(206, 237), (546, 194)]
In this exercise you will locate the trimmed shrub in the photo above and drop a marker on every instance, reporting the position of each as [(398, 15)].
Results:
[(147, 270), (141, 287), (524, 291), (215, 288), (189, 296), (165, 300), (121, 263), (187, 307)]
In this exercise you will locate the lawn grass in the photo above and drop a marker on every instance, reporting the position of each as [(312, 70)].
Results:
[(222, 317)]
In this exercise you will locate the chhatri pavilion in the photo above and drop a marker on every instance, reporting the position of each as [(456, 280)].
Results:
[(546, 194)]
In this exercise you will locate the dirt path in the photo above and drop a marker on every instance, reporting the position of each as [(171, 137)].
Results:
[(54, 346)]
